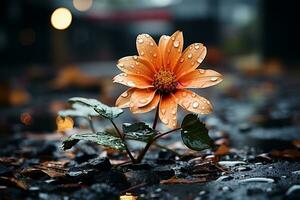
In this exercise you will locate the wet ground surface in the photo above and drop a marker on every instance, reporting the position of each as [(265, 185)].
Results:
[(255, 126)]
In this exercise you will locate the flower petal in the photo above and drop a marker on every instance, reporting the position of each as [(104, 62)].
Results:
[(153, 104), (168, 110), (141, 97), (124, 99), (135, 81), (192, 102), (136, 65), (190, 59), (173, 50), (200, 78), (162, 45), (148, 49)]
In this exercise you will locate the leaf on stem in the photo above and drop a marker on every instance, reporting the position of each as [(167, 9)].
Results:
[(100, 108), (101, 138), (194, 134), (79, 110), (138, 131)]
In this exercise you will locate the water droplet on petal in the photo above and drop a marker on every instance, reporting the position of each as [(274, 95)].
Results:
[(121, 65), (193, 95), (181, 60), (147, 35), (165, 121), (155, 55), (169, 50), (201, 71), (193, 63), (174, 118), (199, 60), (186, 104), (174, 112), (195, 104), (143, 100), (125, 94), (135, 57), (125, 75), (190, 56), (176, 43), (130, 84), (151, 44), (174, 124), (214, 78), (203, 107), (142, 53), (197, 46), (132, 66), (163, 111), (173, 38), (140, 40)]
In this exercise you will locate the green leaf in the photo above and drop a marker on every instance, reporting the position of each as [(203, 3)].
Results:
[(79, 110), (101, 138), (102, 109), (138, 131), (194, 134)]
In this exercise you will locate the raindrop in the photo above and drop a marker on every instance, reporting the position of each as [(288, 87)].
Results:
[(125, 94), (193, 63), (197, 46), (258, 179), (173, 38), (181, 60), (214, 78), (140, 40), (151, 43), (176, 43), (174, 112), (135, 57), (174, 124), (142, 53), (125, 75), (203, 107), (201, 71), (155, 55), (143, 100), (130, 84), (186, 104), (132, 66), (193, 95), (165, 121), (163, 111), (174, 118), (136, 63), (195, 104), (185, 131), (199, 60), (121, 64), (190, 56), (147, 35)]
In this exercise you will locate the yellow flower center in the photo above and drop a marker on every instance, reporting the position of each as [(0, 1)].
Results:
[(165, 81)]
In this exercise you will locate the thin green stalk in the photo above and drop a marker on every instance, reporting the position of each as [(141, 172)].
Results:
[(123, 140)]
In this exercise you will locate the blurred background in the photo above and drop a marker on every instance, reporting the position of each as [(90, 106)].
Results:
[(52, 50)]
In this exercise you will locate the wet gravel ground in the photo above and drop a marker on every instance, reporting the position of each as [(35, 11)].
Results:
[(255, 117)]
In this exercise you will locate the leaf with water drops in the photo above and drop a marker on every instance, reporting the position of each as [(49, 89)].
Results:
[(194, 134), (100, 108), (101, 138), (138, 131), (79, 110)]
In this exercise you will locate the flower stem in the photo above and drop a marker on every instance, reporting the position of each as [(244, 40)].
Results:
[(92, 127), (155, 118), (144, 151), (123, 140)]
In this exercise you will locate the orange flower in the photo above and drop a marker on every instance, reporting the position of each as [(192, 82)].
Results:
[(160, 75)]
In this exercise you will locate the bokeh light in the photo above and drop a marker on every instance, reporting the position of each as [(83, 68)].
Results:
[(61, 18), (82, 5)]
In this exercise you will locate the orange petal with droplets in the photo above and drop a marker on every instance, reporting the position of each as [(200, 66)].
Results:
[(135, 81), (162, 45), (124, 99), (200, 78), (141, 97), (148, 49), (173, 50), (136, 65), (153, 104), (192, 102), (168, 111), (190, 59)]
